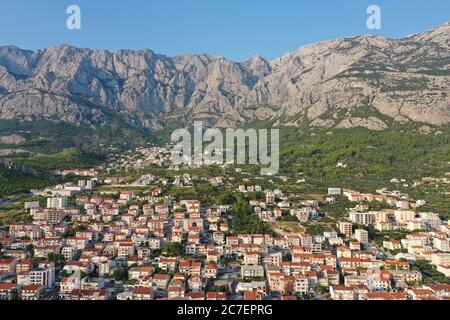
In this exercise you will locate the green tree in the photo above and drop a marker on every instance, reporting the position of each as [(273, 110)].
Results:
[(172, 249), (55, 257), (120, 275)]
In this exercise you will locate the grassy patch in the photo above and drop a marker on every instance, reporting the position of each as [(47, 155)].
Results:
[(284, 228), (67, 159)]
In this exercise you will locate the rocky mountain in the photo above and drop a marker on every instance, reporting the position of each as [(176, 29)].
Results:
[(356, 81)]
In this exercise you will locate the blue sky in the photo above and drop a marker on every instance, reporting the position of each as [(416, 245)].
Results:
[(236, 29)]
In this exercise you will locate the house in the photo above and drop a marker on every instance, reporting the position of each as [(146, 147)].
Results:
[(392, 245), (24, 265), (250, 296), (196, 283), (6, 242), (176, 291), (69, 252), (343, 252), (444, 269), (31, 292), (301, 284), (91, 283), (362, 236), (346, 228), (143, 293), (223, 284), (8, 291), (190, 267), (76, 266), (421, 294), (441, 291), (273, 259), (216, 296), (254, 286), (126, 249), (43, 277), (270, 198), (88, 295), (78, 243), (210, 271), (212, 257), (342, 293), (334, 191), (252, 258), (406, 276), (396, 265), (252, 271), (44, 251), (440, 259), (442, 244), (385, 296), (167, 264), (195, 295), (379, 281), (8, 265), (160, 281), (276, 281), (140, 272), (67, 285)]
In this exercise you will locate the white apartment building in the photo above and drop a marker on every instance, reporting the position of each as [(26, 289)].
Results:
[(365, 218), (362, 236), (43, 277), (68, 252), (442, 244), (403, 216), (346, 228), (252, 271), (57, 203)]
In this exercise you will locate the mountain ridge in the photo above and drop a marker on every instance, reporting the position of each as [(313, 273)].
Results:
[(404, 79)]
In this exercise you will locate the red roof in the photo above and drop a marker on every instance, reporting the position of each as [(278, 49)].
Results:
[(6, 261), (211, 266), (7, 286), (185, 264), (31, 287), (142, 290), (28, 261), (440, 287), (216, 295), (196, 295), (249, 295), (419, 291), (147, 269), (340, 287)]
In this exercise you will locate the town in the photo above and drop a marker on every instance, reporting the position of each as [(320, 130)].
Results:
[(107, 235)]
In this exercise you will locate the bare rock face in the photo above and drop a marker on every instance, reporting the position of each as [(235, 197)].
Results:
[(334, 84), (371, 123), (12, 139)]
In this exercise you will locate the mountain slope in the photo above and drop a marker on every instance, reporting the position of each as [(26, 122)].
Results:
[(328, 83)]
